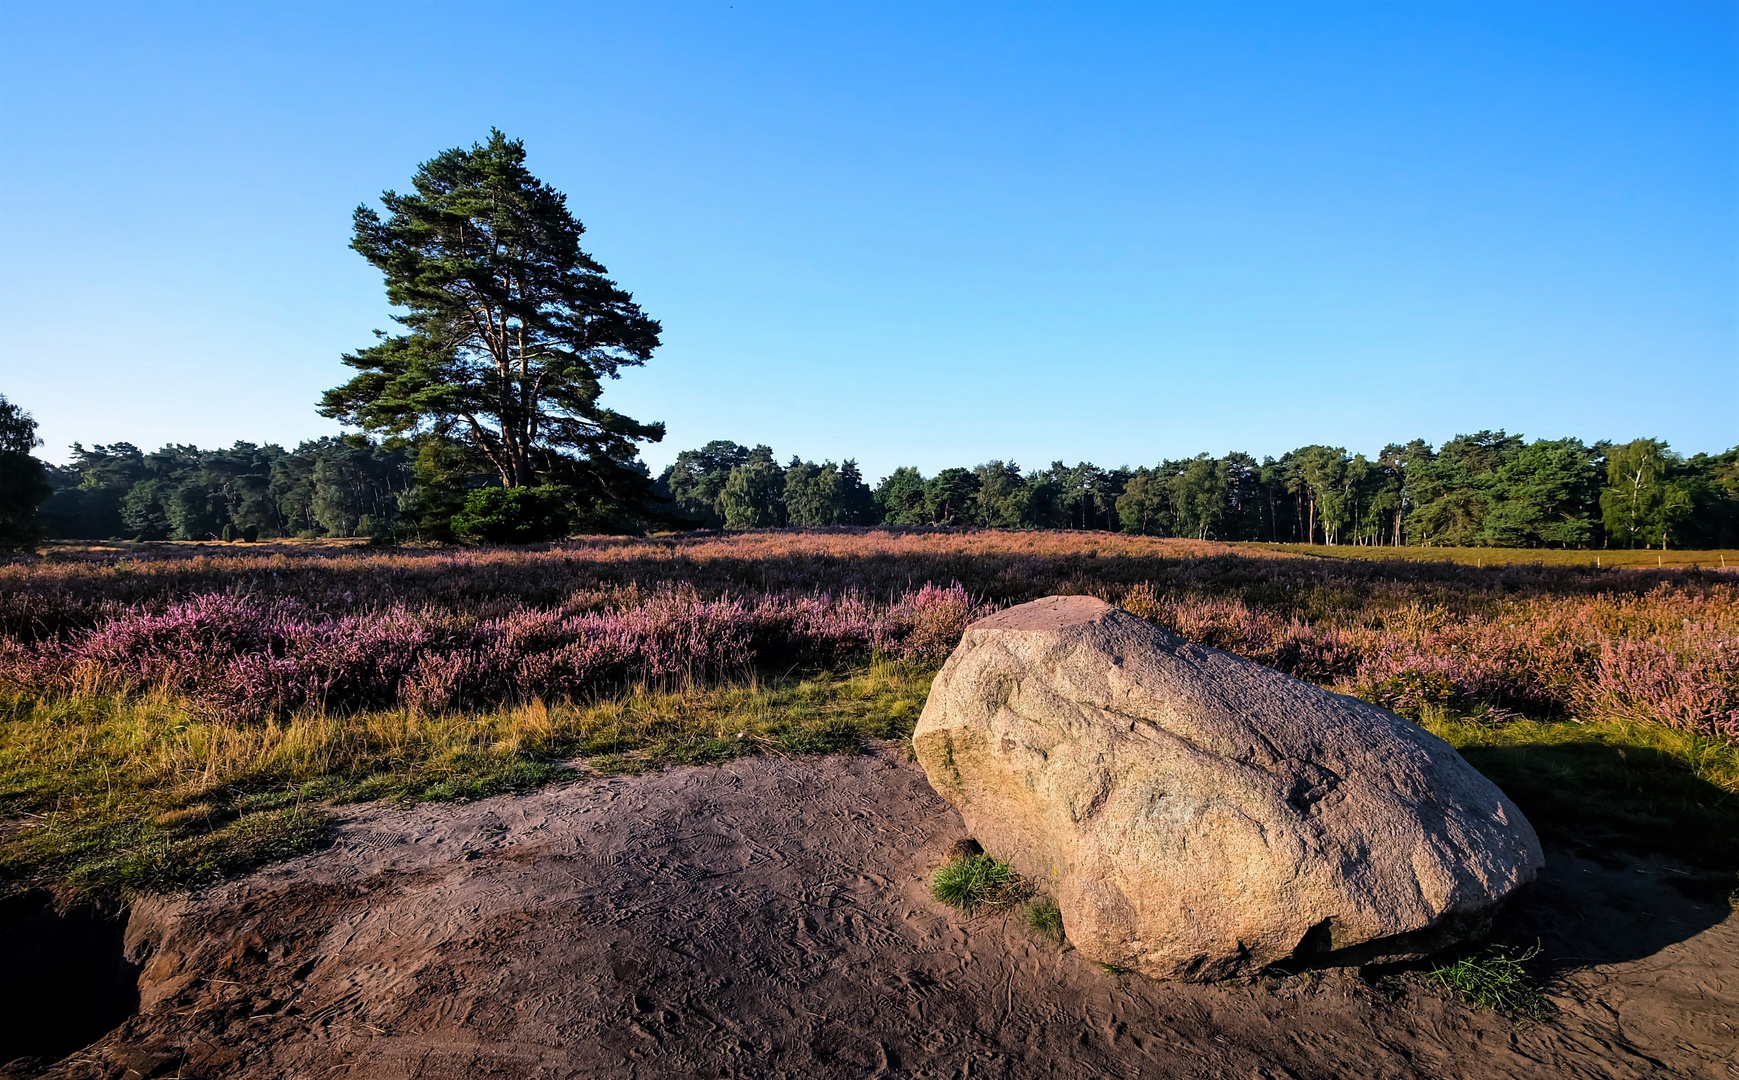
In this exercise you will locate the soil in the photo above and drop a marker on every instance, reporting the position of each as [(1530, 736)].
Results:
[(770, 918)]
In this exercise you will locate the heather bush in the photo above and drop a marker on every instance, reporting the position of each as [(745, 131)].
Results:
[(270, 656), (1670, 655), (166, 718), (77, 589)]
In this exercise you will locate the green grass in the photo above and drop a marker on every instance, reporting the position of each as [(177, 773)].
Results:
[(1495, 556), (1044, 918), (1494, 978), (970, 882), (121, 795)]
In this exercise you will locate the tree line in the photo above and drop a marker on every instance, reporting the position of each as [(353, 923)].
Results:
[(1486, 489)]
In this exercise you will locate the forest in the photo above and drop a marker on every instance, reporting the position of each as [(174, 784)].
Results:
[(1485, 489)]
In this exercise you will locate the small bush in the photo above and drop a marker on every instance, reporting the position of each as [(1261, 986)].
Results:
[(976, 881), (1043, 917), (1494, 978), (515, 515)]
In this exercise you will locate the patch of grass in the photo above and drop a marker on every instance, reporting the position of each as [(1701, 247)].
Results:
[(160, 863), (1616, 785), (1113, 970), (836, 736), (970, 882), (153, 794), (1044, 918), (1494, 978)]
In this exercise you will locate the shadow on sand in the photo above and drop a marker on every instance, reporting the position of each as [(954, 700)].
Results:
[(1640, 852)]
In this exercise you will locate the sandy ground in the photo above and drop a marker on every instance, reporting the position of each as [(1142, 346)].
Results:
[(769, 918)]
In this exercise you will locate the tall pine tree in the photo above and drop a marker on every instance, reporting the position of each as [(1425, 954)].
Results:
[(511, 330)]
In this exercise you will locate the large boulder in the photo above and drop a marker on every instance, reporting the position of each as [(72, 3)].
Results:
[(1200, 816)]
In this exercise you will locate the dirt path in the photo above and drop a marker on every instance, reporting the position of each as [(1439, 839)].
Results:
[(769, 918)]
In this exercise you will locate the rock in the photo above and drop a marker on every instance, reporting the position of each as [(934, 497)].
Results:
[(1200, 816)]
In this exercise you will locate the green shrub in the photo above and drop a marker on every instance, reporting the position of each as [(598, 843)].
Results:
[(251, 534), (514, 515), (969, 882), (229, 534)]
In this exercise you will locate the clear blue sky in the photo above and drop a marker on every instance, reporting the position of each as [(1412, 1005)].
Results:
[(927, 234)]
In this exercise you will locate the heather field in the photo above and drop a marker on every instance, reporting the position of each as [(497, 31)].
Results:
[(169, 713)]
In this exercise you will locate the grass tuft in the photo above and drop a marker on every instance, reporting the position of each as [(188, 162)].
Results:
[(1496, 979), (1043, 917), (973, 881)]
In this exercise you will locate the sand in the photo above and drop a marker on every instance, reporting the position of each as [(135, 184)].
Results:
[(770, 918)]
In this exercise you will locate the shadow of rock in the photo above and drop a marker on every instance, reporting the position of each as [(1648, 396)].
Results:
[(1584, 912), (1640, 852)]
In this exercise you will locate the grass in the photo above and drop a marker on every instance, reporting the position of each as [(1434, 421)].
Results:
[(1496, 556), (151, 794), (1494, 978), (1044, 918), (970, 882)]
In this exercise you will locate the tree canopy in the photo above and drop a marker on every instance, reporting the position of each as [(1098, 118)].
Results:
[(511, 329)]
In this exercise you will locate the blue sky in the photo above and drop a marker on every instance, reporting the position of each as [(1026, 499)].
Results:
[(928, 234)]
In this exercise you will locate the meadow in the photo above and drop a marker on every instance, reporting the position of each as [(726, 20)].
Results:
[(168, 714)]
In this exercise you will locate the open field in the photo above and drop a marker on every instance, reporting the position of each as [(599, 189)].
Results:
[(174, 716)]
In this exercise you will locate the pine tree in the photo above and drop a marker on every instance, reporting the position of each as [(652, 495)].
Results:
[(512, 329)]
